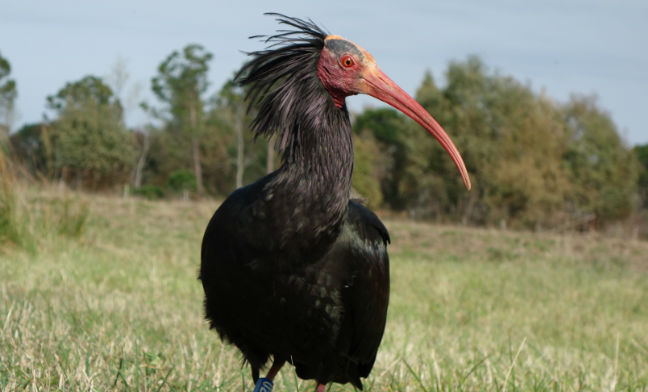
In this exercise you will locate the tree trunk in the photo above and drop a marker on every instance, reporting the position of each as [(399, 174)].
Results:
[(197, 168), (468, 211), (47, 146), (195, 150), (238, 125), (139, 168), (4, 134)]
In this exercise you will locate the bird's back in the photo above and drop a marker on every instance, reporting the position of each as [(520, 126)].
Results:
[(321, 306)]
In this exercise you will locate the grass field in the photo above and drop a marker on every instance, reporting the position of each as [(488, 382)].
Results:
[(102, 295)]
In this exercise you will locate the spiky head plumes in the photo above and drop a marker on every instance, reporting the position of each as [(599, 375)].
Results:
[(281, 81)]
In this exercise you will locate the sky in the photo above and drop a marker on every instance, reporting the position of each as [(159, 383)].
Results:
[(559, 47)]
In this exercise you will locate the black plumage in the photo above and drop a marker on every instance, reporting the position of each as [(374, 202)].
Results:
[(291, 267)]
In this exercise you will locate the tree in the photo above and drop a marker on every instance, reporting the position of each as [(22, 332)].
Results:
[(527, 184), (533, 163), (513, 142), (366, 169), (387, 129), (91, 146), (89, 89), (230, 116), (180, 83), (603, 169), (641, 152), (463, 108), (143, 143), (28, 145), (232, 106), (8, 95)]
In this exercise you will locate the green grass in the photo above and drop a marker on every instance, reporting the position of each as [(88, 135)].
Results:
[(115, 305)]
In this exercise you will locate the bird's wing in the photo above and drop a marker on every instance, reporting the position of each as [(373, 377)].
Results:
[(238, 231), (367, 294)]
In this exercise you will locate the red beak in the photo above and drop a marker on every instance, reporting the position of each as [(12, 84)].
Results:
[(380, 86)]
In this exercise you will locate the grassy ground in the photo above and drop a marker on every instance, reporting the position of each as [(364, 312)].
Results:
[(115, 305)]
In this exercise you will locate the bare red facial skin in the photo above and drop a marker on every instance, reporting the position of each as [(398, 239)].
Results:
[(338, 77)]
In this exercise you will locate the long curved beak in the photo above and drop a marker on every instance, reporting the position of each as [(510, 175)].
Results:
[(380, 86)]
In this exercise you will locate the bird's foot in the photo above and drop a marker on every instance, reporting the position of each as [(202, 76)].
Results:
[(263, 385), (320, 388)]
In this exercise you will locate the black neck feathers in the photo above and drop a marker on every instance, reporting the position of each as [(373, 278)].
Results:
[(283, 86), (312, 133)]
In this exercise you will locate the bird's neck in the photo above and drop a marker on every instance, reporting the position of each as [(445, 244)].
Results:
[(322, 173), (315, 179)]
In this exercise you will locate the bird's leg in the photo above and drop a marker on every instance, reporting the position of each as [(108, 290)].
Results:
[(276, 365), (255, 374), (266, 383), (320, 388)]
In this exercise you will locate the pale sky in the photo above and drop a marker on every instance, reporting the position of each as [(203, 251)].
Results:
[(559, 46)]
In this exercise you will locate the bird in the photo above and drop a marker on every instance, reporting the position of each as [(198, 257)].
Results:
[(293, 269)]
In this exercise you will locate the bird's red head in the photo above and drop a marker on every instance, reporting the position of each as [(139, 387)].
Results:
[(346, 69)]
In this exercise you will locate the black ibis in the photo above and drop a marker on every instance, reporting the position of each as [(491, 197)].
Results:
[(292, 268)]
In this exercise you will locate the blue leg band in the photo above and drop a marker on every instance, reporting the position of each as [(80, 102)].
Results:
[(263, 385)]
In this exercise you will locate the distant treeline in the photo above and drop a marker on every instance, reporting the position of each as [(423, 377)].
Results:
[(535, 163)]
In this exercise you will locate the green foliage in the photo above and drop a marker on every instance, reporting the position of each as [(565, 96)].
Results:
[(151, 192), (167, 154), (12, 228), (219, 165), (225, 123), (181, 180), (29, 145), (641, 152), (533, 163), (92, 148), (642, 156), (87, 144), (71, 217), (88, 90), (8, 91), (384, 124), (384, 128), (603, 170), (231, 116), (365, 177), (27, 226), (8, 95), (180, 83), (525, 182)]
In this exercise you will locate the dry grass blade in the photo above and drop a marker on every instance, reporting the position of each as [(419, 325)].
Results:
[(510, 370)]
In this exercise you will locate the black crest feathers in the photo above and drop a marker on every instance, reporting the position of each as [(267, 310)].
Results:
[(282, 83)]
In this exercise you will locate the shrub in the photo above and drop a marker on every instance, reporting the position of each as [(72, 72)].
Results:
[(181, 180), (151, 192)]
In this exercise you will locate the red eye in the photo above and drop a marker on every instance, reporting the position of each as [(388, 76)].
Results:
[(347, 61)]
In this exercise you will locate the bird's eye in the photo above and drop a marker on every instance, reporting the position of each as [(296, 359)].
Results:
[(347, 61)]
